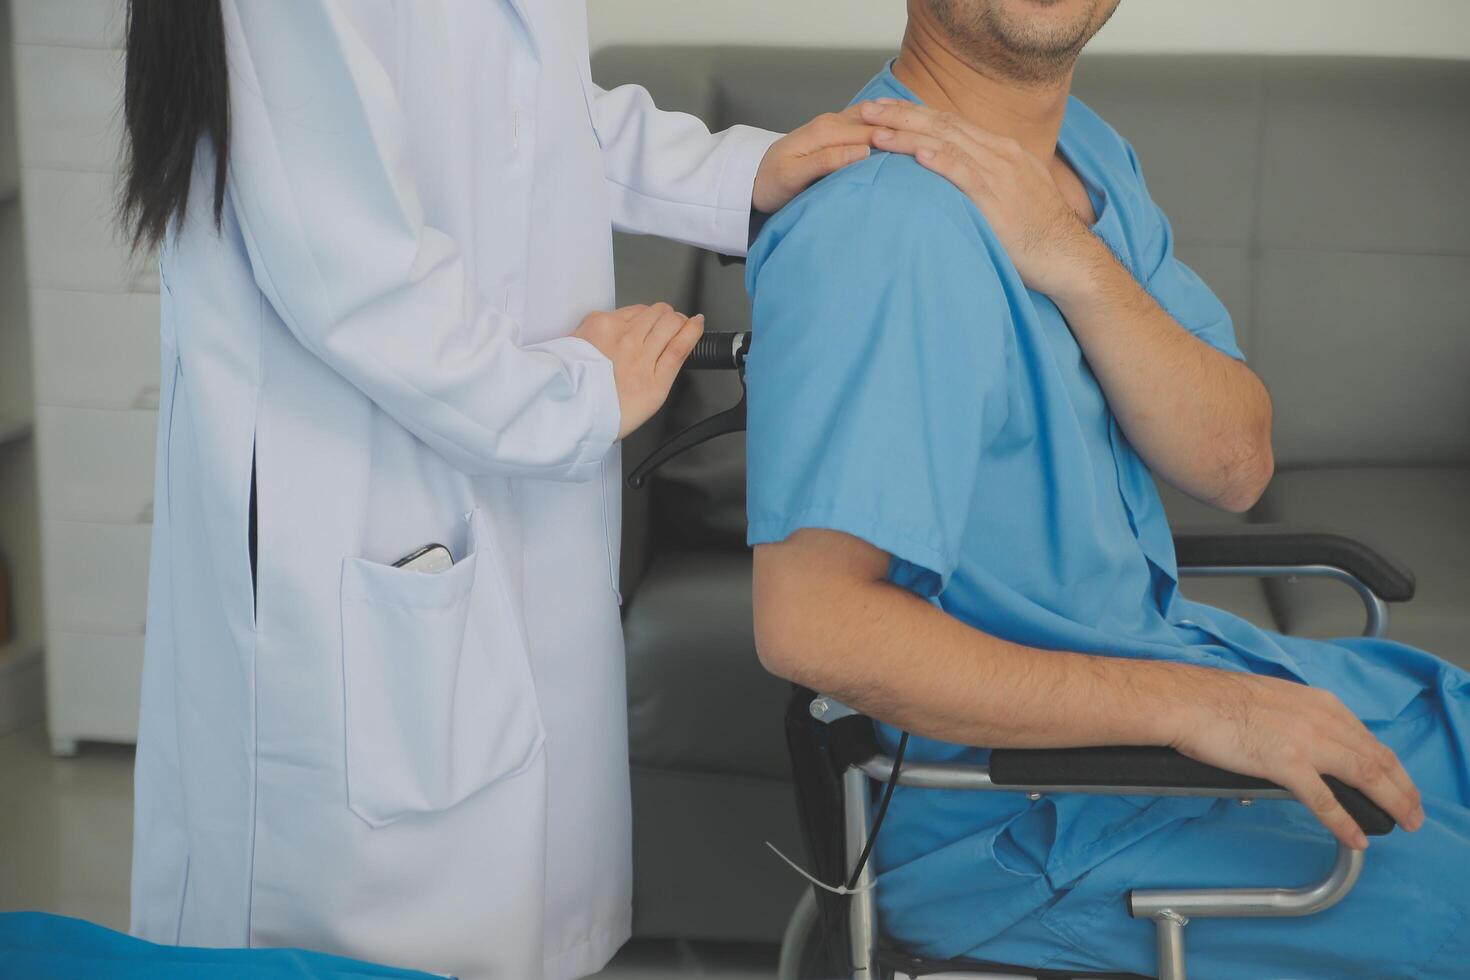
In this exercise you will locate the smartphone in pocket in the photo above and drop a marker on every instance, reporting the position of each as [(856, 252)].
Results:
[(431, 558)]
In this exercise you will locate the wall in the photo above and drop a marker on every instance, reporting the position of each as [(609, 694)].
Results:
[(1422, 28)]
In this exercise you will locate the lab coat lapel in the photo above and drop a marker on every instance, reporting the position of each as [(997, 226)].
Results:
[(519, 6)]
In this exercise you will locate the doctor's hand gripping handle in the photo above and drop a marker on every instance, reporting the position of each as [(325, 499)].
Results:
[(715, 352), (647, 346)]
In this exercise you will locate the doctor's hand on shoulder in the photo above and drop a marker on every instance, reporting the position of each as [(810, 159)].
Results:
[(647, 346), (805, 155)]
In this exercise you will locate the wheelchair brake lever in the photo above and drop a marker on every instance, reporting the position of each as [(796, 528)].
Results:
[(726, 422), (714, 352)]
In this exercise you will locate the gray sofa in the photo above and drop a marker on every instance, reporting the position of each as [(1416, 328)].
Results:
[(1325, 201)]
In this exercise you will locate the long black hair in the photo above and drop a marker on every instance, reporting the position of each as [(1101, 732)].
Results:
[(176, 93)]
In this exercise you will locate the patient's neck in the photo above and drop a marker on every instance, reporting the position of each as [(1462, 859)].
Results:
[(945, 79)]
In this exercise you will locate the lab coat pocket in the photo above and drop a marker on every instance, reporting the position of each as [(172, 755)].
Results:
[(439, 699)]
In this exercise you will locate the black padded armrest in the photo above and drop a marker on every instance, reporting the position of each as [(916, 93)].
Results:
[(1282, 545), (1126, 766)]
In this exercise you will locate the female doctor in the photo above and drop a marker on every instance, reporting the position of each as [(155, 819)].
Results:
[(386, 262)]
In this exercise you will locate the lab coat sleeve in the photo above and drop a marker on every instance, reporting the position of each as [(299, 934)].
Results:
[(332, 220), (667, 175)]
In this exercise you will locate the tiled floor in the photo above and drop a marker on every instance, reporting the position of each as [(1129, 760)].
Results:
[(65, 829)]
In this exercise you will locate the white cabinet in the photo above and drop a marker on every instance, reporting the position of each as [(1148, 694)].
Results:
[(93, 312), (94, 464), (20, 656), (96, 575), (93, 679), (68, 106), (95, 350), (69, 23), (71, 240)]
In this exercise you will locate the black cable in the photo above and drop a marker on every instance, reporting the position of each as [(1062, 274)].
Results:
[(825, 931), (857, 872)]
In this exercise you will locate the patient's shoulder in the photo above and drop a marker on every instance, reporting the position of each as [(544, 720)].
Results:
[(895, 187), (887, 198)]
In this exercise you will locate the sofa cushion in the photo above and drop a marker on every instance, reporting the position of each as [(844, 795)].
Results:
[(698, 699), (1364, 279), (1418, 515), (1337, 127), (1366, 356)]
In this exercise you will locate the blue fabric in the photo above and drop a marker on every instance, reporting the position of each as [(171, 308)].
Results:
[(37, 946), (906, 388)]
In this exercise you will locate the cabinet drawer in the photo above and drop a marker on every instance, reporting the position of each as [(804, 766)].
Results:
[(92, 686), (15, 351), (96, 464), (95, 350), (71, 238), (94, 23), (96, 576), (9, 165), (67, 106)]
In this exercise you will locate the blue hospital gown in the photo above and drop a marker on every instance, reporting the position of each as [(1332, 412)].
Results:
[(906, 388)]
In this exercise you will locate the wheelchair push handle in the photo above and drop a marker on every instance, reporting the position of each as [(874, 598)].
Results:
[(722, 351)]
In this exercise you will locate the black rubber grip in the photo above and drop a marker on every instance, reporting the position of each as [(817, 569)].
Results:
[(1282, 544), (723, 351), (1126, 766)]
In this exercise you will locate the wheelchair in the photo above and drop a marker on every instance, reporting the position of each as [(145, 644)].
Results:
[(839, 765)]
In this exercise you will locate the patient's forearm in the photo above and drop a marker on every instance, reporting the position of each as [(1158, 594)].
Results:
[(826, 617), (897, 658), (1199, 418)]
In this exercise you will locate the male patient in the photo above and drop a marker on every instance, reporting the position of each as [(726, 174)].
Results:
[(960, 390)]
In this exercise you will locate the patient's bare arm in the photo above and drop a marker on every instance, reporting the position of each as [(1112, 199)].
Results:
[(826, 617), (1200, 418)]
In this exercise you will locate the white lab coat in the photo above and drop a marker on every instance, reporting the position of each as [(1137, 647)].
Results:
[(422, 770)]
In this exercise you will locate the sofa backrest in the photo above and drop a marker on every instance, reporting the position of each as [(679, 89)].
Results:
[(1324, 199)]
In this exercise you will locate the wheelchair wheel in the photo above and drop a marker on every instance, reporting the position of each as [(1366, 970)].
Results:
[(807, 949), (796, 941)]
